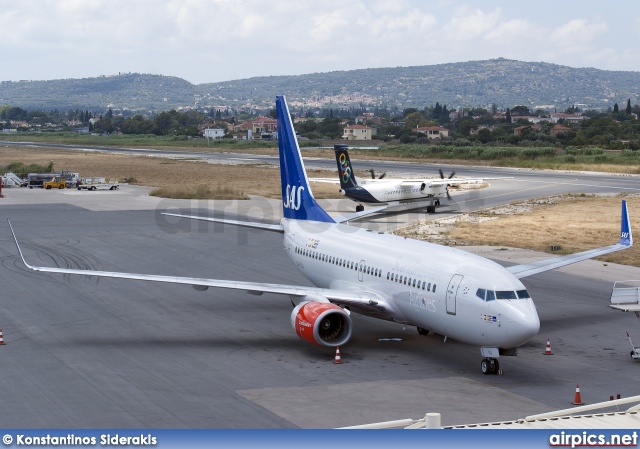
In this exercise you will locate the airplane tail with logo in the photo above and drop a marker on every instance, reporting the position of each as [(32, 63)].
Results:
[(345, 171), (297, 199)]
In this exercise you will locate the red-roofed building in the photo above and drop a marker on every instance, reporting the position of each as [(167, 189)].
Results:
[(358, 132), (264, 125), (559, 129), (244, 126)]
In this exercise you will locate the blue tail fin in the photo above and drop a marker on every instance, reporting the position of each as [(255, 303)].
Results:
[(625, 227), (297, 200), (345, 171)]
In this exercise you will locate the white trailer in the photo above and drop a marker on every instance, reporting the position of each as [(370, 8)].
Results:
[(98, 184)]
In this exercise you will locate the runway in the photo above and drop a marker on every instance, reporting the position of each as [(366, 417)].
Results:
[(87, 352), (525, 183)]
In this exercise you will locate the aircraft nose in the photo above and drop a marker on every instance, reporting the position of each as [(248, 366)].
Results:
[(522, 321)]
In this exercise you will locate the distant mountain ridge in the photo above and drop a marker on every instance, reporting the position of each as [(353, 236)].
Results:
[(476, 83)]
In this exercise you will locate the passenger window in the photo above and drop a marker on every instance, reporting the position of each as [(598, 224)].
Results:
[(396, 278), (414, 283), (387, 275), (434, 288), (429, 287), (490, 295), (480, 293), (424, 284)]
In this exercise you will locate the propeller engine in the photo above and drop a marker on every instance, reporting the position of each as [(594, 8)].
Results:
[(373, 174), (448, 177)]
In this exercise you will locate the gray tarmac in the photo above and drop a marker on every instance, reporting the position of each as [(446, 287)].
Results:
[(84, 352)]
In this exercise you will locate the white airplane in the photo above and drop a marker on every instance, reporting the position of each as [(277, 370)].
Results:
[(410, 193), (435, 288)]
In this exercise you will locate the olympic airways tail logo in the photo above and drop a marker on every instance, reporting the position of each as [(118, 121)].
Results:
[(292, 199), (345, 168)]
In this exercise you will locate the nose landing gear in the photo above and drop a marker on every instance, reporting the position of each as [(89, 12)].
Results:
[(489, 365)]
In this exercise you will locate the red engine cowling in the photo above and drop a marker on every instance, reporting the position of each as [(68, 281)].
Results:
[(321, 323)]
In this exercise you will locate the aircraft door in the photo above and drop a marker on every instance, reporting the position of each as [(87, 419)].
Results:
[(452, 289), (361, 270)]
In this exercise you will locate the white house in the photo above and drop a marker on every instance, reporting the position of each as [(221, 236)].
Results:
[(214, 133)]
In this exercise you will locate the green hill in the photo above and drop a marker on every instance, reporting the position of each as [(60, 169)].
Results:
[(476, 83)]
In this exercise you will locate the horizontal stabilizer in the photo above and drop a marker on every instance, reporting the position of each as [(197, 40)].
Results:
[(248, 224), (356, 215)]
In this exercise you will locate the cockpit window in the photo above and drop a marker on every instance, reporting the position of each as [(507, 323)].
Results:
[(480, 293), (491, 295), (506, 294), (523, 294)]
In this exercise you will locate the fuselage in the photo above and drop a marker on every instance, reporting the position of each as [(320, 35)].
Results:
[(376, 192), (426, 285)]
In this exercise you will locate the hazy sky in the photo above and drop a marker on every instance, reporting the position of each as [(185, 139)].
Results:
[(218, 40)]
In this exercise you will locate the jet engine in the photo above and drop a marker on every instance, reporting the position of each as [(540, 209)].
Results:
[(321, 323)]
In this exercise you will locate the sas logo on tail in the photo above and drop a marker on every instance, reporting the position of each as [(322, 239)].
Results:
[(292, 199)]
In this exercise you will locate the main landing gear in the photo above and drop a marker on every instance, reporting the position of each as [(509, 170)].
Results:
[(359, 208), (489, 366), (431, 208)]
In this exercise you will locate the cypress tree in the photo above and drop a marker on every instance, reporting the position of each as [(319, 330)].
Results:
[(629, 106)]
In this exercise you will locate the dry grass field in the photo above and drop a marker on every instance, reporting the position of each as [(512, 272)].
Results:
[(163, 172), (575, 223)]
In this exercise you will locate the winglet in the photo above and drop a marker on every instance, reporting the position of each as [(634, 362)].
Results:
[(18, 246), (626, 238)]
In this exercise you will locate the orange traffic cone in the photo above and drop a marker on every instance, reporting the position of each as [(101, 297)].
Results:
[(337, 360), (577, 400), (1, 338), (548, 350)]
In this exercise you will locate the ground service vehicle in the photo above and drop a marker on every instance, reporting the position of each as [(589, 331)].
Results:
[(56, 183), (11, 179), (38, 179), (97, 184)]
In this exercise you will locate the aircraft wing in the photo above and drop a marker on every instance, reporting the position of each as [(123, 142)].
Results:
[(626, 241), (361, 300), (439, 181)]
